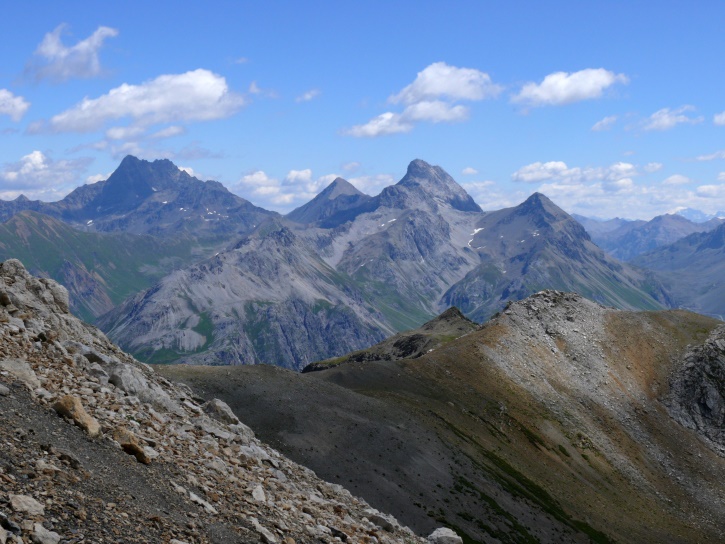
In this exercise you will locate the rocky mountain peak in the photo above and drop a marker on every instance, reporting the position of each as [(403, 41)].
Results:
[(134, 181), (427, 184), (332, 205), (340, 187), (543, 213)]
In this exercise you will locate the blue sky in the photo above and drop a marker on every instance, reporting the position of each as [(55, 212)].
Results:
[(609, 108)]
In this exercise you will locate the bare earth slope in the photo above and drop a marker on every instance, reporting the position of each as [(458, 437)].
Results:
[(556, 421), (134, 458)]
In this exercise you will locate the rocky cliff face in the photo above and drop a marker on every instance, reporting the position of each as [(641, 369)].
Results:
[(269, 299), (697, 398), (96, 448)]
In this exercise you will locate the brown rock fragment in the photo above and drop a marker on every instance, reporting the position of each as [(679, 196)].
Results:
[(71, 407), (130, 444)]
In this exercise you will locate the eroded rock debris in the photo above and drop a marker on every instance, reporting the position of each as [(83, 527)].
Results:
[(95, 447)]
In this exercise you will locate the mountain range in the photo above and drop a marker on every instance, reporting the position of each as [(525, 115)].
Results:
[(181, 270), (334, 277)]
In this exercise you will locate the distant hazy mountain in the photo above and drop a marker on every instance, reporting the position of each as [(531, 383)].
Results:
[(693, 271), (596, 227), (156, 198), (98, 269), (290, 293), (697, 216), (636, 237), (536, 246)]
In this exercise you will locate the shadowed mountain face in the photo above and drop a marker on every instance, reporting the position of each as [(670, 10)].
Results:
[(637, 237), (557, 421), (291, 294), (143, 197), (693, 271)]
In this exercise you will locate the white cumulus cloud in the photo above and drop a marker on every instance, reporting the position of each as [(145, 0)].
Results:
[(710, 191), (469, 171), (297, 187), (385, 123), (440, 80), (38, 176), (668, 118), (561, 173), (351, 166), (677, 179), (432, 97), (13, 106), (199, 95), (719, 119), (168, 132), (562, 88), (58, 62)]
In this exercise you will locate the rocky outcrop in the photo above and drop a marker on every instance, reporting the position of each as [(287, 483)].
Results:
[(154, 467), (697, 398)]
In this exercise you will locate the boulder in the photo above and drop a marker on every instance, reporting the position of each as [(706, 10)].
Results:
[(443, 535), (25, 504), (41, 535), (219, 410), (72, 408), (130, 443), (21, 371), (132, 380)]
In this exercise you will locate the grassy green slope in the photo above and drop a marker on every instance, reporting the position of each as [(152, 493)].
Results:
[(98, 269)]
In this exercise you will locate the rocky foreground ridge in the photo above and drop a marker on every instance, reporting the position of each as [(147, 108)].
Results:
[(95, 447)]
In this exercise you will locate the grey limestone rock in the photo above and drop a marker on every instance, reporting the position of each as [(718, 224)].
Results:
[(219, 410), (21, 371), (444, 535)]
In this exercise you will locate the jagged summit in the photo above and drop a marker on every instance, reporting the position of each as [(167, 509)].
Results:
[(134, 181), (429, 185)]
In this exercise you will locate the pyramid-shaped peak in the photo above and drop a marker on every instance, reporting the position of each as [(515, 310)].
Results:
[(539, 202), (339, 187)]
